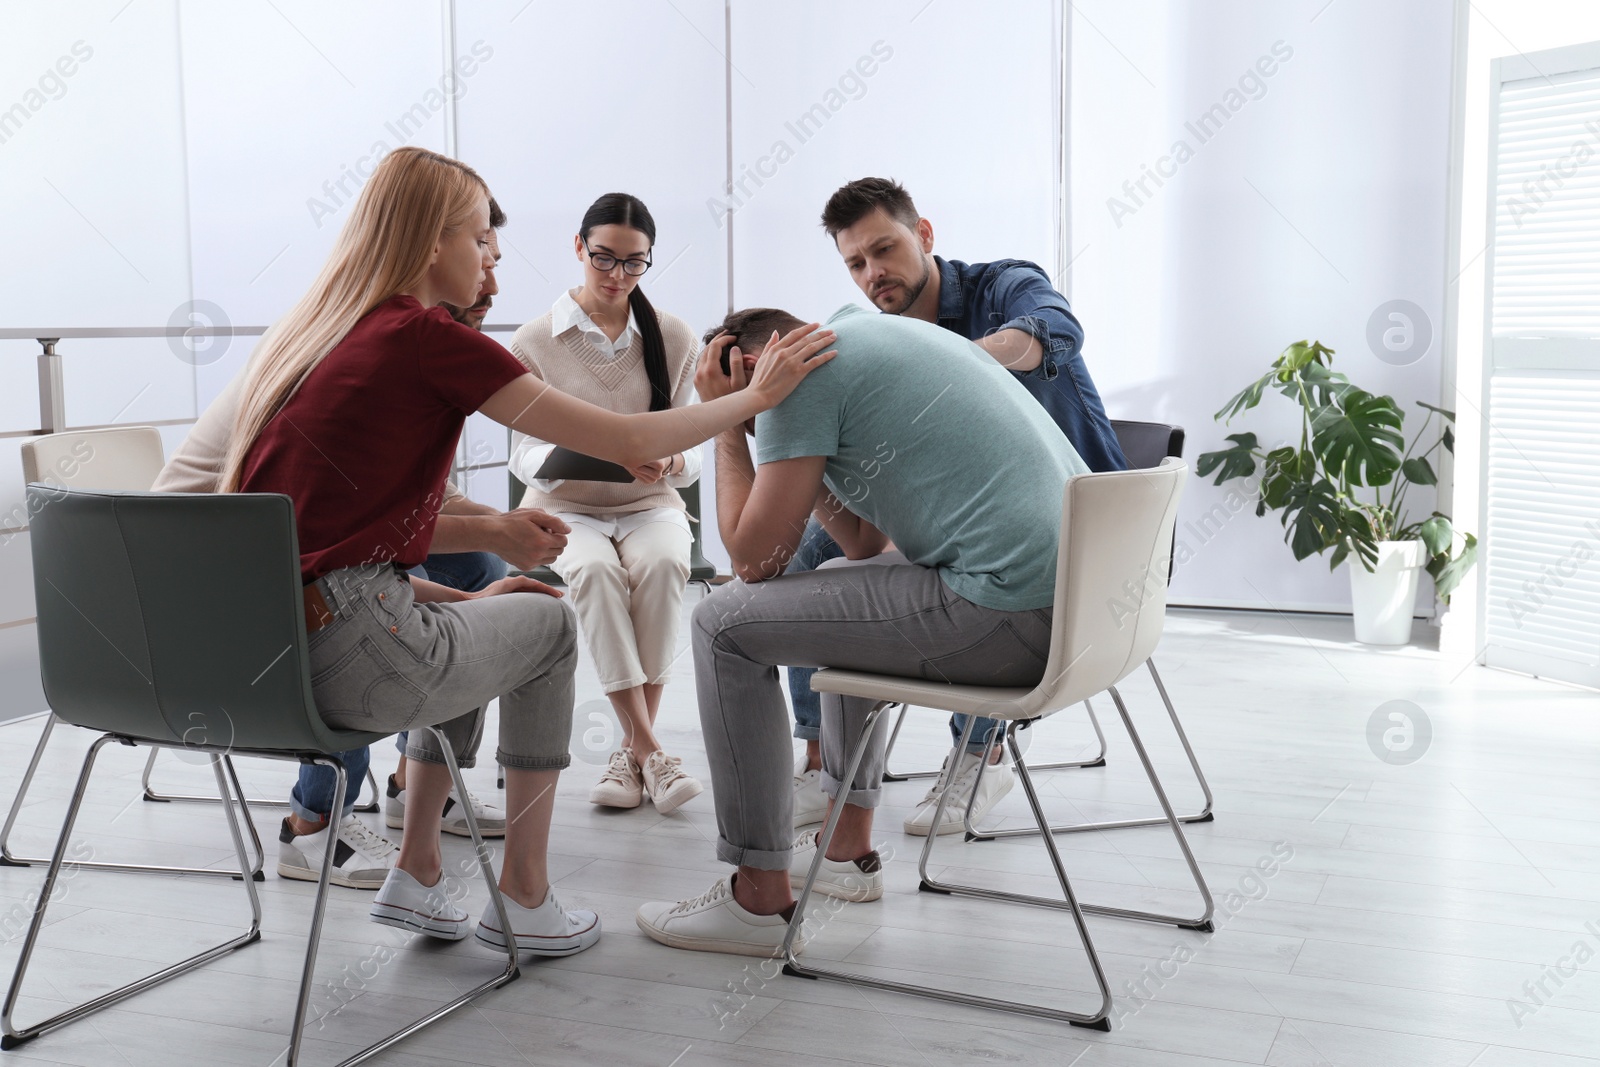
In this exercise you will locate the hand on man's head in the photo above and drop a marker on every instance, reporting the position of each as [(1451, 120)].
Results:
[(723, 368)]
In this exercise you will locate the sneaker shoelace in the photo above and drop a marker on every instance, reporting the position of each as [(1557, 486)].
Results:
[(715, 895), (365, 840), (668, 769), (963, 784), (619, 769)]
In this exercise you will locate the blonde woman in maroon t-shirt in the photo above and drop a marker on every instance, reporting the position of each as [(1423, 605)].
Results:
[(353, 407)]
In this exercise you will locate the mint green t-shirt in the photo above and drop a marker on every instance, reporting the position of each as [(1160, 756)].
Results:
[(934, 443)]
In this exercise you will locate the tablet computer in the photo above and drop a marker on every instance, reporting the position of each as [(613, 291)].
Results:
[(563, 464)]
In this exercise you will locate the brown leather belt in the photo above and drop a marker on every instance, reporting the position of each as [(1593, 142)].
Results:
[(317, 613)]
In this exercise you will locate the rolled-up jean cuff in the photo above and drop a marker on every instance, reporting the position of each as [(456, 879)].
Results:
[(861, 798), (777, 860), (533, 763), (302, 812), (427, 754), (808, 733)]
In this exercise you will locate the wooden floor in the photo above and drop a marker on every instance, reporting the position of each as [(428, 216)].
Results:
[(1410, 917)]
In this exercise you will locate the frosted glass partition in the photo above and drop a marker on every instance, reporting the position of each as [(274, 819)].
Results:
[(574, 100), (289, 107), (577, 100), (91, 165), (954, 100)]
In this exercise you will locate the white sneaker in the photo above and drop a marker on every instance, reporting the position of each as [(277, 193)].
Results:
[(548, 930), (362, 859), (621, 786), (491, 820), (810, 803), (858, 880), (668, 786), (714, 922), (407, 903), (998, 778)]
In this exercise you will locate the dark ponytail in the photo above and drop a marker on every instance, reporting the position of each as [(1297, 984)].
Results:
[(621, 209)]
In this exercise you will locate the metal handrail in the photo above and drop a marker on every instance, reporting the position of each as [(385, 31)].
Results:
[(52, 391)]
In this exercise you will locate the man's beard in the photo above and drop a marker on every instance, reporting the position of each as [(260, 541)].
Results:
[(462, 315), (912, 292)]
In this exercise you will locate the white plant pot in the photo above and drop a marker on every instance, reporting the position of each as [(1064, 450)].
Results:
[(1385, 597)]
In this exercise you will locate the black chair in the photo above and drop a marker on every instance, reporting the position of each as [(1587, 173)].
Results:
[(176, 621)]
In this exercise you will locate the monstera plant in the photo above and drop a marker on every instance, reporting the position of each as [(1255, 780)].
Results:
[(1342, 487)]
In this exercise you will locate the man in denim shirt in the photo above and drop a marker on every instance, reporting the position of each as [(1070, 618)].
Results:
[(1008, 308)]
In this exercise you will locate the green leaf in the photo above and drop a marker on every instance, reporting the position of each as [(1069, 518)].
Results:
[(1448, 571), (1450, 440), (1358, 438), (1340, 554), (1418, 471), (1449, 415), (1326, 385), (1437, 534), (1313, 518), (1300, 357), (1245, 399), (1236, 462)]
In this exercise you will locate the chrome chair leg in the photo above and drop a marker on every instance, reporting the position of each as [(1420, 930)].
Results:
[(510, 974), (1201, 922), (9, 859), (318, 910), (12, 1036), (1096, 760), (1205, 813), (1096, 1020), (150, 793), (6, 858)]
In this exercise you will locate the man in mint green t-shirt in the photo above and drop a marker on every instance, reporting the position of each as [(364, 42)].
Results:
[(910, 435)]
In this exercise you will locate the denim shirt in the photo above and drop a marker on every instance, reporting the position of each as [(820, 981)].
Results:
[(978, 299)]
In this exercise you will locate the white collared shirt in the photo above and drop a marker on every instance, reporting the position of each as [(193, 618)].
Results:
[(566, 314)]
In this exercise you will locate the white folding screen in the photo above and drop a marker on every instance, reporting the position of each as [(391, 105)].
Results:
[(1540, 594)]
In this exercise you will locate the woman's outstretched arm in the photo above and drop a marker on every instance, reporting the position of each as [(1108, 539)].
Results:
[(529, 405)]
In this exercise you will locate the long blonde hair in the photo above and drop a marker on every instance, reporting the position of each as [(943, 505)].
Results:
[(414, 198)]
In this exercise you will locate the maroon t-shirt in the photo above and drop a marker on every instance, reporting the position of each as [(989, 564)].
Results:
[(363, 448)]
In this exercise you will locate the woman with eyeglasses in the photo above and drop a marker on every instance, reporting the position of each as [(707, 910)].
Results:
[(627, 557)]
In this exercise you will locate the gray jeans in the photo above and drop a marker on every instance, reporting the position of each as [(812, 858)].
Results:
[(386, 664), (899, 620)]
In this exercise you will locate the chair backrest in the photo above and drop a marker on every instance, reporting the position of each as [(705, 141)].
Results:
[(123, 457), (1111, 591), (1146, 444), (176, 618)]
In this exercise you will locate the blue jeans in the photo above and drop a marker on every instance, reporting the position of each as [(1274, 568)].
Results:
[(816, 548), (312, 796)]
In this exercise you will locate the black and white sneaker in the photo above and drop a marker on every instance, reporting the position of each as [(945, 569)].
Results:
[(362, 859), (491, 820)]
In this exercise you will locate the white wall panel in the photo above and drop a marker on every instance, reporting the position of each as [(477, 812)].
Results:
[(91, 164), (289, 105), (577, 100), (953, 100), (19, 397), (1319, 197)]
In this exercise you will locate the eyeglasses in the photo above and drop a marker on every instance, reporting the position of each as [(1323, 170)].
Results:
[(604, 262)]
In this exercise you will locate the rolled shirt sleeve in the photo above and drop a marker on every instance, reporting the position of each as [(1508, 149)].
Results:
[(1027, 300)]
